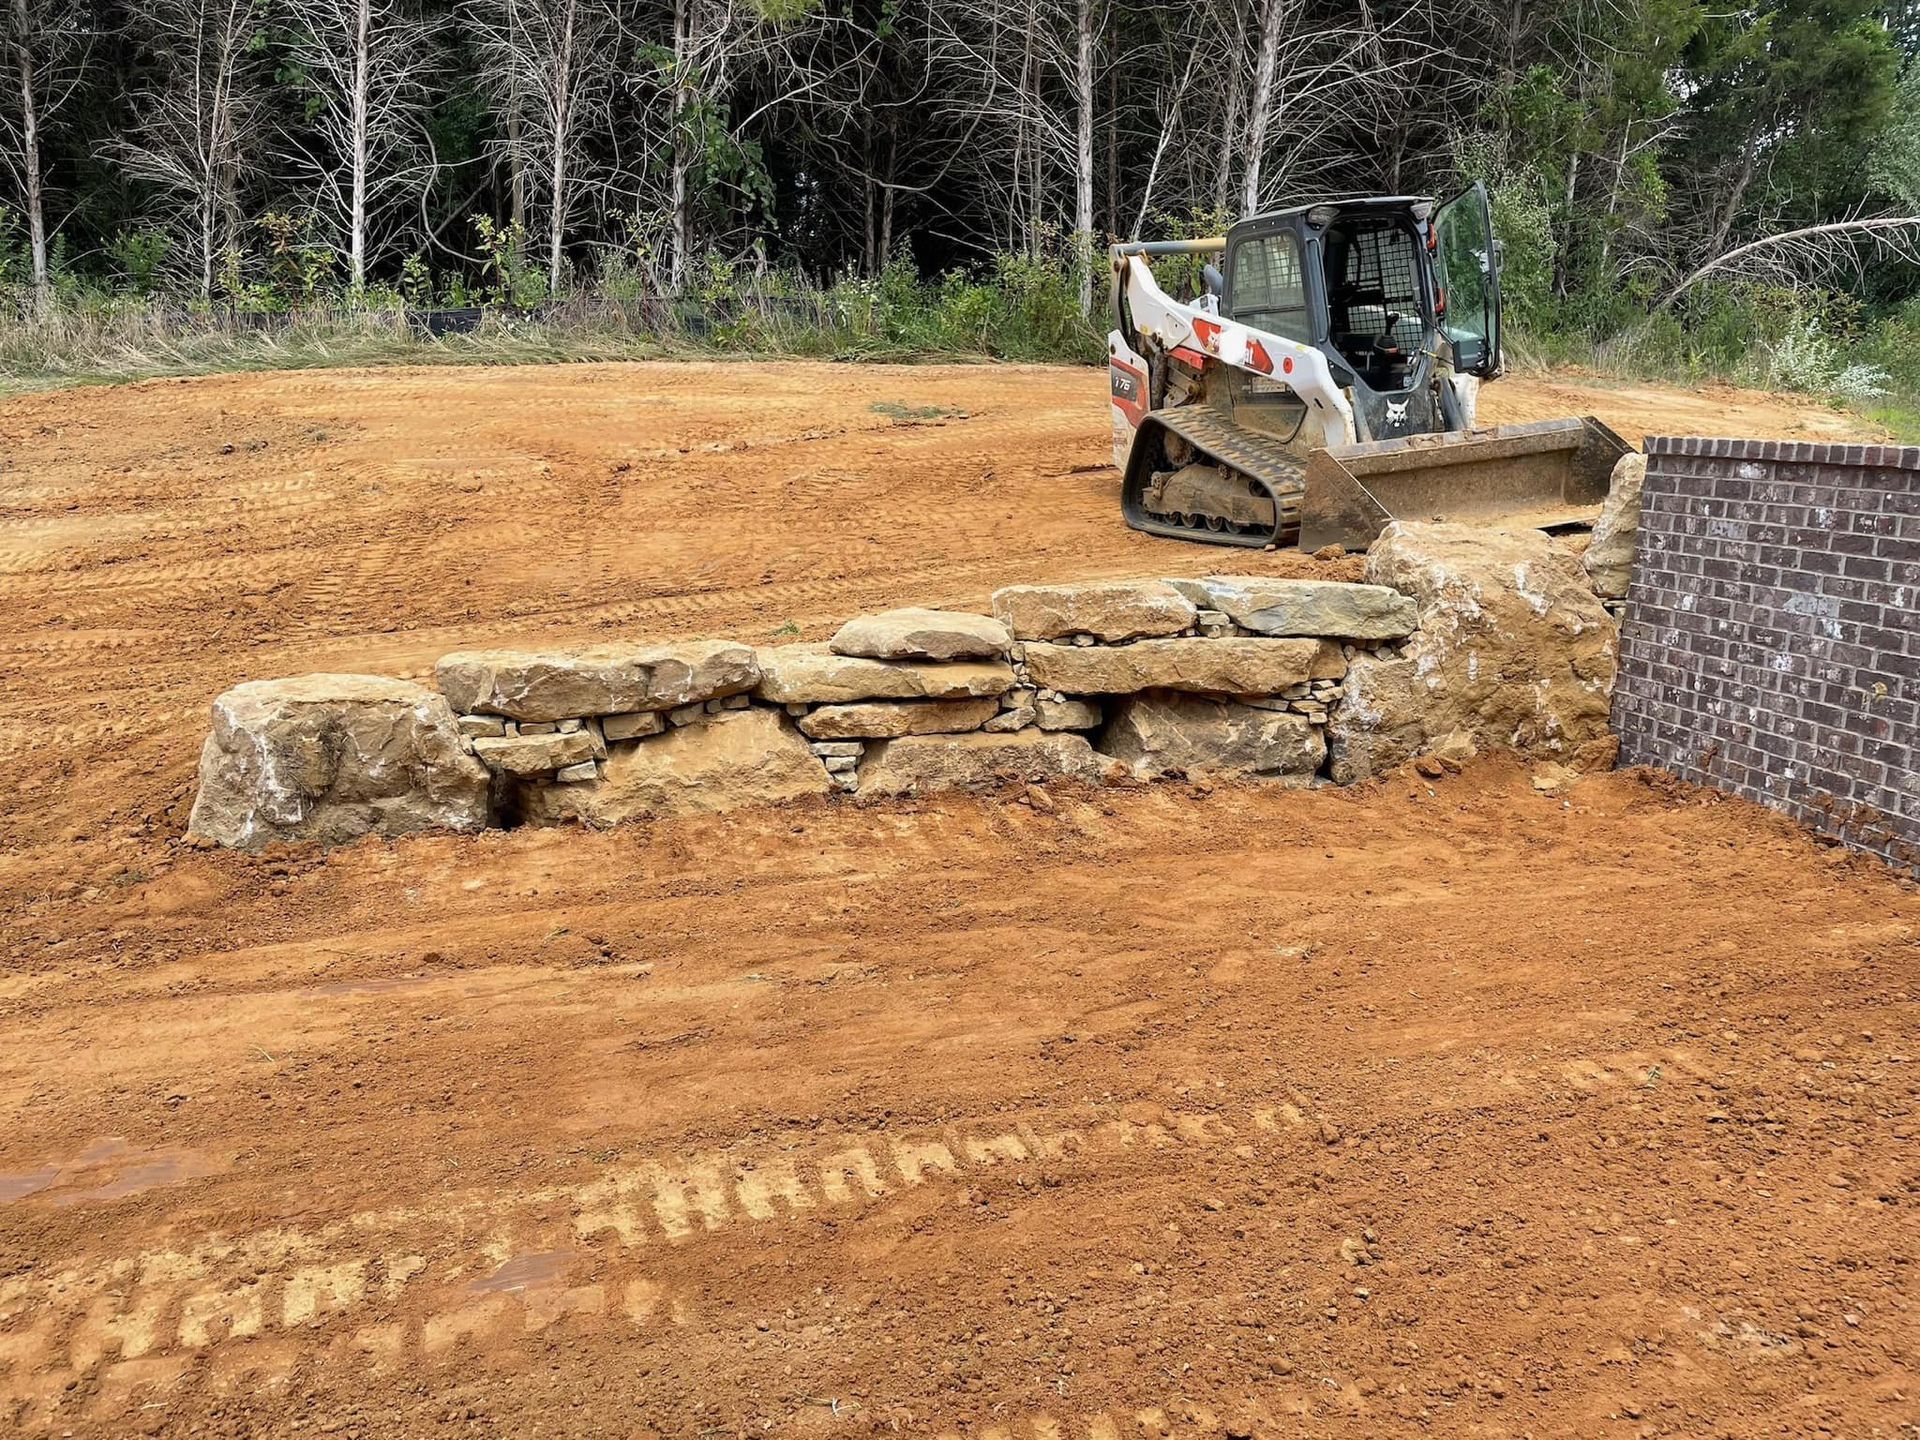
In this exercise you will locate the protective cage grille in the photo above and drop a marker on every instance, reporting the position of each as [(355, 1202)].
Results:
[(1377, 281)]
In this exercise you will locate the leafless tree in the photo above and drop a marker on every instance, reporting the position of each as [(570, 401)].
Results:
[(793, 60), (690, 40), (194, 117), (1273, 17), (1173, 97), (1789, 255), (1083, 80), (1011, 79), (550, 72), (1310, 78), (46, 49), (368, 63)]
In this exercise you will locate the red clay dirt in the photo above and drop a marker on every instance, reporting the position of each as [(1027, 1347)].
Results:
[(1438, 1106)]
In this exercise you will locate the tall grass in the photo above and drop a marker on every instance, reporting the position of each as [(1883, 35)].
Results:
[(1016, 309), (1019, 310)]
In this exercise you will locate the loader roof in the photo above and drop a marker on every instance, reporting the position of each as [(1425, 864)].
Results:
[(1357, 202)]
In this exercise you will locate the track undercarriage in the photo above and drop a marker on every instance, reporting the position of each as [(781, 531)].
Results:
[(1198, 476)]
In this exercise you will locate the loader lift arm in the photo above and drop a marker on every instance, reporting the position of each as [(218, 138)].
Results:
[(1247, 488), (1142, 309)]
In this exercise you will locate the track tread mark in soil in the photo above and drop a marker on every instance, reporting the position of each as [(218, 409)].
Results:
[(648, 1202), (97, 1318)]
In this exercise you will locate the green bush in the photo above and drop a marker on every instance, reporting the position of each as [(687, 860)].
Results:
[(141, 258), (1522, 223), (1893, 344)]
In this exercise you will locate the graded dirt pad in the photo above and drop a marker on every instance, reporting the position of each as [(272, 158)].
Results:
[(1439, 1107), (164, 540)]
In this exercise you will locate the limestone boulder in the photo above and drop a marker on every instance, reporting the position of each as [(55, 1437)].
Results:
[(923, 763), (1067, 714), (1233, 665), (599, 680), (815, 675), (732, 759), (1270, 606), (1159, 734), (533, 754), (1609, 557), (1513, 651), (915, 634), (329, 758), (890, 719), (1110, 610), (1385, 718), (634, 726)]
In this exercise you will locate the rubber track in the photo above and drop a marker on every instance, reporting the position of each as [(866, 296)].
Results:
[(1260, 457)]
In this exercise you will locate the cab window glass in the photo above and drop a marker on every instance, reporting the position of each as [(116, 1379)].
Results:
[(1268, 287)]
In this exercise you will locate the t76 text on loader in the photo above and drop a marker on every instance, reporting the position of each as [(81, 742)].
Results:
[(1324, 383)]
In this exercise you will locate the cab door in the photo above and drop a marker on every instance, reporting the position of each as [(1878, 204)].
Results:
[(1467, 267)]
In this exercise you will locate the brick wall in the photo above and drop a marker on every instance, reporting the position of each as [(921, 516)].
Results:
[(1771, 644)]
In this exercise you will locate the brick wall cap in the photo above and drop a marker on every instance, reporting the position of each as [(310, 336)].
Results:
[(1788, 452)]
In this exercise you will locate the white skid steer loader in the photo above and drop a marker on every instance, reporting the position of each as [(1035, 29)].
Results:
[(1324, 383)]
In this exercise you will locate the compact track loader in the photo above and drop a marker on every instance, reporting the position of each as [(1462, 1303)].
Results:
[(1324, 382)]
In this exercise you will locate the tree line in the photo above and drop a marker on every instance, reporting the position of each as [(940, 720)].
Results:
[(1640, 149)]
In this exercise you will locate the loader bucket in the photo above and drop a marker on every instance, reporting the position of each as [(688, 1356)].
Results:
[(1536, 476)]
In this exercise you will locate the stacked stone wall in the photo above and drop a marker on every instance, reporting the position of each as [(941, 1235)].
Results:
[(1296, 682)]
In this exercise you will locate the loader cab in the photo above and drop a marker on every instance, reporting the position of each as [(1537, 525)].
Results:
[(1376, 285)]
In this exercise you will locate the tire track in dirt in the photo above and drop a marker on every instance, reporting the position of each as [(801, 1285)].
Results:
[(137, 1322)]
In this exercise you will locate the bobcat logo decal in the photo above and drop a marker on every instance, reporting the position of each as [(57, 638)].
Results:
[(1397, 414)]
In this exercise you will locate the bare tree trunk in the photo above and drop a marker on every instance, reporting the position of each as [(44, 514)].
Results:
[(1083, 155), (362, 86), (680, 198), (1749, 158), (516, 154), (1613, 198), (206, 245), (562, 137), (887, 195), (557, 221), (1270, 19), (1562, 274), (30, 155), (516, 172), (1113, 144), (869, 229), (1230, 132), (1026, 148), (886, 225)]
